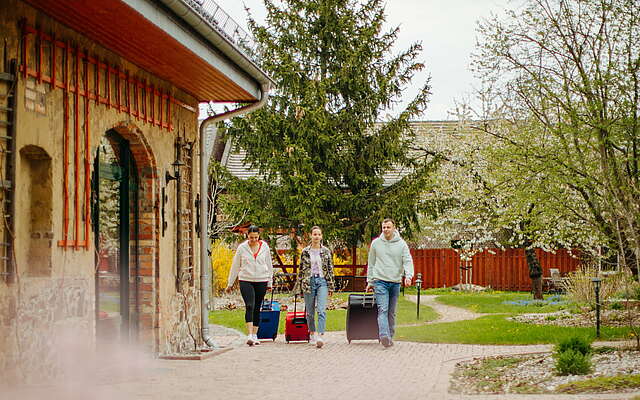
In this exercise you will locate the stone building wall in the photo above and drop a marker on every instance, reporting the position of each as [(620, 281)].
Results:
[(51, 295)]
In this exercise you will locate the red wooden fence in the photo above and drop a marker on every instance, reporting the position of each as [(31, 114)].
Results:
[(495, 268), (499, 269)]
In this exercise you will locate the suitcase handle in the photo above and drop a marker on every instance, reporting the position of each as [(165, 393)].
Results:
[(368, 301), (299, 321)]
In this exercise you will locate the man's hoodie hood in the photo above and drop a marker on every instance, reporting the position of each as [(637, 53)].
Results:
[(396, 237)]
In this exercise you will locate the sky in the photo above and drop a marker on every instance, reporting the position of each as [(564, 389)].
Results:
[(447, 30)]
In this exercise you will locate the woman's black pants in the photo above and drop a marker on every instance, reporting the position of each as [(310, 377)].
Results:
[(252, 294)]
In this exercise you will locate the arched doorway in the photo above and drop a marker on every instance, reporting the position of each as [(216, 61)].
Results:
[(115, 223)]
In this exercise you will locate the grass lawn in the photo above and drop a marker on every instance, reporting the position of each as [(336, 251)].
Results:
[(502, 302), (495, 329), (491, 329), (336, 319), (601, 384)]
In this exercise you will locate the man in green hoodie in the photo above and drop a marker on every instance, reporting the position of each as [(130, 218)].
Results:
[(389, 258)]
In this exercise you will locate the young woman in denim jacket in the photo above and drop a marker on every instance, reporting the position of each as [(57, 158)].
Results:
[(316, 282)]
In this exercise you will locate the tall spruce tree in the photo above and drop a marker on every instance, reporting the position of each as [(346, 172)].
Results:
[(317, 146)]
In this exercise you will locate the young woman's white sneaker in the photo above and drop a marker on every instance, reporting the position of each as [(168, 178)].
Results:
[(250, 340), (255, 339), (312, 340), (319, 341)]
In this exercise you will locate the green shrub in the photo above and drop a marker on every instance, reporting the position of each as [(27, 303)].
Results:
[(635, 292), (604, 349), (576, 343), (570, 362), (616, 306)]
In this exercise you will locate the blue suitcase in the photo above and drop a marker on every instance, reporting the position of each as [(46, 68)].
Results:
[(269, 320)]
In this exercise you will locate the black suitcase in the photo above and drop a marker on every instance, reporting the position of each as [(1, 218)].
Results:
[(362, 317)]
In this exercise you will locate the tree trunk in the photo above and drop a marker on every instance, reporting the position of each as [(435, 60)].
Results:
[(631, 260), (626, 256), (535, 273)]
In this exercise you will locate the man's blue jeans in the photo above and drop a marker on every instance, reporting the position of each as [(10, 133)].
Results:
[(316, 300), (387, 294)]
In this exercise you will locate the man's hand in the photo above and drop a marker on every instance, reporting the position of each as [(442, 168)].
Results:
[(369, 288), (228, 289), (407, 282), (330, 293)]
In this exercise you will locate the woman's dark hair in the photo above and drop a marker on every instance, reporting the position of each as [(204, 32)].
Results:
[(253, 228)]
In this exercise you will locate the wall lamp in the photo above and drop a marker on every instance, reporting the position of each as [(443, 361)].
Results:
[(176, 171), (168, 178)]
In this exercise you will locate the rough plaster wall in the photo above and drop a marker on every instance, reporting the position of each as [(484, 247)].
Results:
[(42, 323)]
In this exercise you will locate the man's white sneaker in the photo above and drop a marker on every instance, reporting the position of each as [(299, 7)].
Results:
[(312, 340), (319, 342)]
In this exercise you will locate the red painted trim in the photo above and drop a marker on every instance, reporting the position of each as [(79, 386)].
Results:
[(62, 79), (97, 80), (87, 138), (39, 63), (25, 45), (118, 88), (76, 156), (66, 143), (151, 103), (160, 101), (53, 65), (135, 99)]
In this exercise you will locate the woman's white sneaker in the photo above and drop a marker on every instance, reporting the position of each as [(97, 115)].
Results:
[(250, 340), (255, 339), (312, 340)]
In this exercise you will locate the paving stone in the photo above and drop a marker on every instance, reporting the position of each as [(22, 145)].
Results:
[(279, 371)]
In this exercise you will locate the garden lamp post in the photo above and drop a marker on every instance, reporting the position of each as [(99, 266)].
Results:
[(596, 282), (418, 285)]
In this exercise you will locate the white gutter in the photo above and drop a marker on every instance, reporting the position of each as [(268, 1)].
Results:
[(205, 264), (219, 41)]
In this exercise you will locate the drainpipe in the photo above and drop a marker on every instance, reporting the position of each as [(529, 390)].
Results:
[(205, 264)]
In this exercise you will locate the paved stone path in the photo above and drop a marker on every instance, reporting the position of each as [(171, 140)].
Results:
[(279, 371), (447, 313)]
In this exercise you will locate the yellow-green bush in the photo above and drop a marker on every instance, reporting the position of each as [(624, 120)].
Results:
[(343, 257), (221, 258), (580, 287)]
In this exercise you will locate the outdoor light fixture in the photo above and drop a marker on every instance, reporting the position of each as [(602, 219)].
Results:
[(168, 178), (176, 171), (418, 286), (596, 282)]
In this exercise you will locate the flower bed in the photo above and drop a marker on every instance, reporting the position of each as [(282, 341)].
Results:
[(536, 373)]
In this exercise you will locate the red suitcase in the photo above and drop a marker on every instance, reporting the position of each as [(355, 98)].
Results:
[(296, 328)]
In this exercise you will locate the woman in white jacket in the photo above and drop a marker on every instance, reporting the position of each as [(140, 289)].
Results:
[(253, 267)]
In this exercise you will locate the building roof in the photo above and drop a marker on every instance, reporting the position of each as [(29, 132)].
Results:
[(427, 134), (192, 44)]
